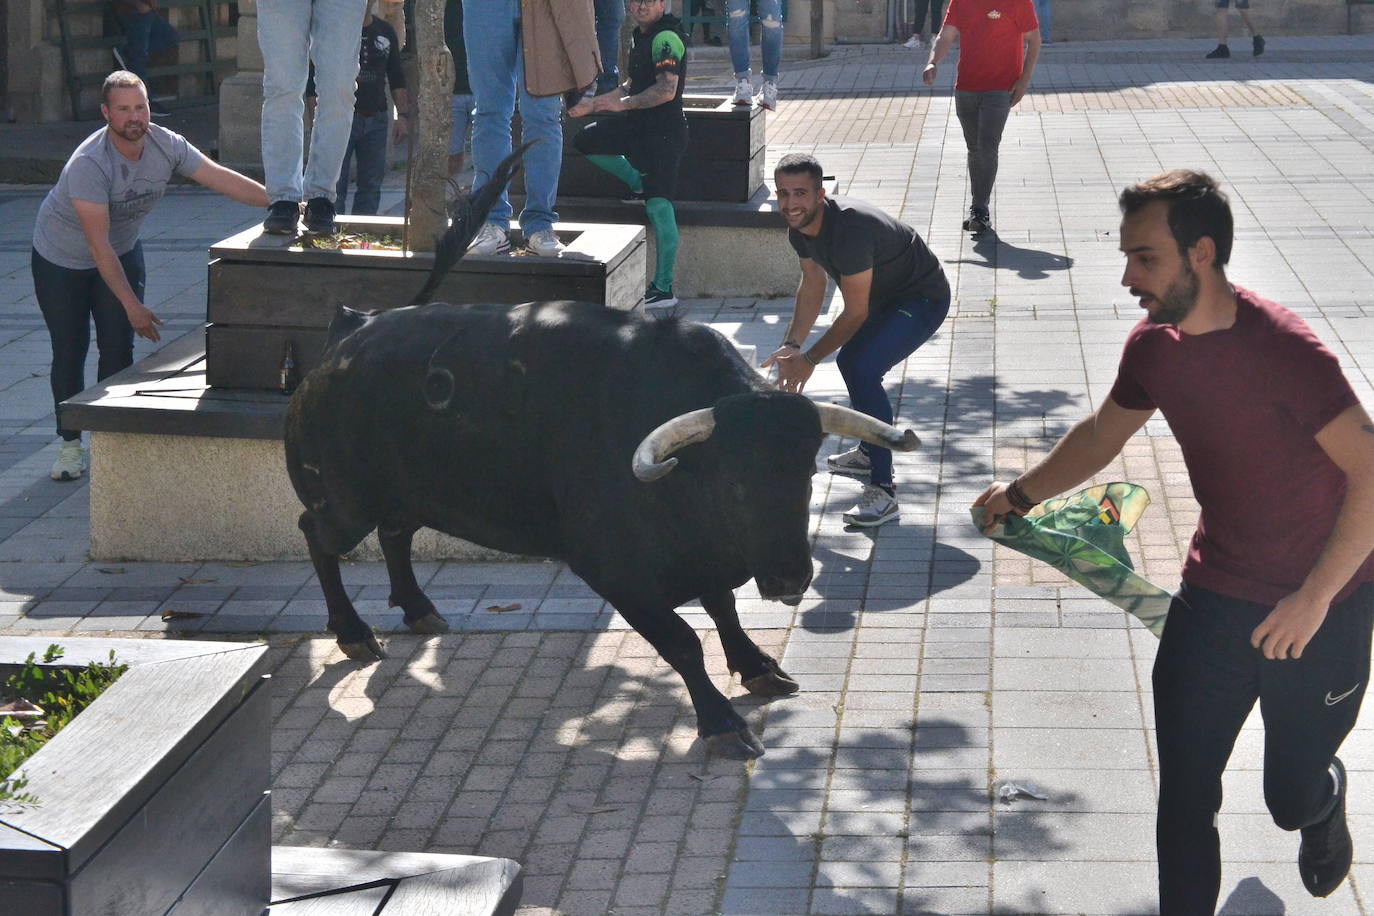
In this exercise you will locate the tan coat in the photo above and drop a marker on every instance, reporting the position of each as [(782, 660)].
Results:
[(560, 45)]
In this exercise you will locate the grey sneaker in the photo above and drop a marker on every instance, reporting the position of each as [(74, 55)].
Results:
[(768, 95), (544, 243), (854, 462), (491, 239), (71, 461), (1326, 851), (875, 507), (744, 91)]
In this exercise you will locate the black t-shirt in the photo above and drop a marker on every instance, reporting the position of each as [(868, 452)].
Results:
[(662, 49), (855, 236), (379, 62), (453, 37)]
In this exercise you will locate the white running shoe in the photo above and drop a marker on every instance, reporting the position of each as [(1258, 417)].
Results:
[(744, 92), (876, 506), (544, 243), (768, 96), (71, 461), (854, 462), (491, 239), (913, 42)]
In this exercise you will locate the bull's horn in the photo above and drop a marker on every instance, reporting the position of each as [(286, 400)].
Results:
[(651, 459), (846, 422)]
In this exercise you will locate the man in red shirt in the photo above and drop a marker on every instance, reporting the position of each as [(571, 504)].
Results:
[(1277, 600), (999, 42)]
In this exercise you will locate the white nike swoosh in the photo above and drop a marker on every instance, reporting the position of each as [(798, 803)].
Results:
[(1332, 701)]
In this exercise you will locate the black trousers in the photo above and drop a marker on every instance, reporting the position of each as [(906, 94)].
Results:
[(652, 145), (1207, 678), (70, 300)]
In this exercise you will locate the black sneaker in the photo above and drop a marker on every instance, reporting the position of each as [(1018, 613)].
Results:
[(319, 216), (631, 197), (1218, 51), (655, 298), (1326, 851), (1258, 43), (979, 220), (282, 218)]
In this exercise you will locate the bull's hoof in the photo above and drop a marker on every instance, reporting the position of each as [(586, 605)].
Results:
[(428, 625), (773, 683), (368, 650), (740, 745)]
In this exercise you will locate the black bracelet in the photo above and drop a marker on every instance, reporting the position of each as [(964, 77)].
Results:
[(1018, 498), (789, 342), (807, 356)]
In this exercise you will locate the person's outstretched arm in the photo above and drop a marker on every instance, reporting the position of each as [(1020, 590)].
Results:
[(230, 183)]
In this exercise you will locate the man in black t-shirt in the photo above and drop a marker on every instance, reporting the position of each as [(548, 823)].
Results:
[(644, 147), (895, 297)]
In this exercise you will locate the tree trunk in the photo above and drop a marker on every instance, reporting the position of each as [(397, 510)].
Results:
[(431, 125)]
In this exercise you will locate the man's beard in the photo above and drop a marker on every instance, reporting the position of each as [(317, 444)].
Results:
[(132, 132), (810, 216), (1178, 300)]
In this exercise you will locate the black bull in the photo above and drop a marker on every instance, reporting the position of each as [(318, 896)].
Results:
[(515, 427)]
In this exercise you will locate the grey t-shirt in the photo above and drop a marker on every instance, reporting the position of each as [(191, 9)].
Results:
[(99, 173), (856, 236)]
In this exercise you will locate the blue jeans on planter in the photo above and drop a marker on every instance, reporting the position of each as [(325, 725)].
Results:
[(69, 300), (770, 43), (144, 34), (1042, 13), (891, 334), (610, 16), (496, 69), (368, 142), (292, 33)]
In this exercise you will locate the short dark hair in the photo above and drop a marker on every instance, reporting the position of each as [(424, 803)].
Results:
[(1197, 207), (120, 79), (799, 164)]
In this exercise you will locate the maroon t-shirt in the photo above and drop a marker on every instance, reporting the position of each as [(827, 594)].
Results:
[(1245, 404)]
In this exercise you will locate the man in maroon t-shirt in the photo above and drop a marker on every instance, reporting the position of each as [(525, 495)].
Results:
[(999, 42), (1277, 600)]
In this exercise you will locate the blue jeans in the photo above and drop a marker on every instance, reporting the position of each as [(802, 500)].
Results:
[(610, 16), (891, 334), (368, 142), (70, 300), (462, 120), (1042, 13), (770, 43), (144, 34), (496, 69), (292, 33)]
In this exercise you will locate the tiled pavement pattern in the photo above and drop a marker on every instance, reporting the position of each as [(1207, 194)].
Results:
[(930, 663)]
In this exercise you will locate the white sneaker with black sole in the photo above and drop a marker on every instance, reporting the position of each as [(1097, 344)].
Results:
[(875, 507), (491, 239), (854, 462), (655, 298), (71, 461)]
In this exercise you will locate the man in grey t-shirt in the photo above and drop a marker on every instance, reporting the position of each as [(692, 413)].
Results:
[(87, 260)]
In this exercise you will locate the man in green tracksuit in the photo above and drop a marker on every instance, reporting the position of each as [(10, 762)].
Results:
[(645, 146)]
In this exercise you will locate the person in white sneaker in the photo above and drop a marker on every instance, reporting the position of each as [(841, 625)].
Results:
[(87, 260), (770, 49), (895, 297)]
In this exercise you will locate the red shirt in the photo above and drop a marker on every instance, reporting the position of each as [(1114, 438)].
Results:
[(992, 48), (1245, 404)]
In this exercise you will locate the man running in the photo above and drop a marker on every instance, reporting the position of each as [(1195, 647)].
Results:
[(895, 298), (1277, 597)]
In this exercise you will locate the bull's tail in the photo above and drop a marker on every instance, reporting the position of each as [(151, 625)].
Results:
[(467, 215)]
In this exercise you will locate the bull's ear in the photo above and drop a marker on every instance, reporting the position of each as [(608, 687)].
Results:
[(344, 322)]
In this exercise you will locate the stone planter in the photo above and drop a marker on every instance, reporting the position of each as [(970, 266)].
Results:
[(155, 798), (265, 291)]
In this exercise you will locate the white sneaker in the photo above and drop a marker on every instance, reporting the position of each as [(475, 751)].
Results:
[(768, 96), (875, 506), (744, 92), (913, 42), (545, 244), (491, 239), (854, 462), (71, 461)]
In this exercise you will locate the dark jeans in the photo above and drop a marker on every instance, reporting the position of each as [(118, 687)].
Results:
[(69, 300), (931, 8), (982, 115), (144, 34), (891, 334), (1207, 677), (367, 140)]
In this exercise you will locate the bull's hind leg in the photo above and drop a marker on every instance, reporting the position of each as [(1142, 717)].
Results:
[(758, 671), (420, 614), (355, 638), (720, 726)]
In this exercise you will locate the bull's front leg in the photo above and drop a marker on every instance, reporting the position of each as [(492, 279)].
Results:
[(719, 725), (420, 614), (355, 638), (758, 671)]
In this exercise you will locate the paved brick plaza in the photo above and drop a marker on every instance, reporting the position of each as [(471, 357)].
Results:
[(930, 663)]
